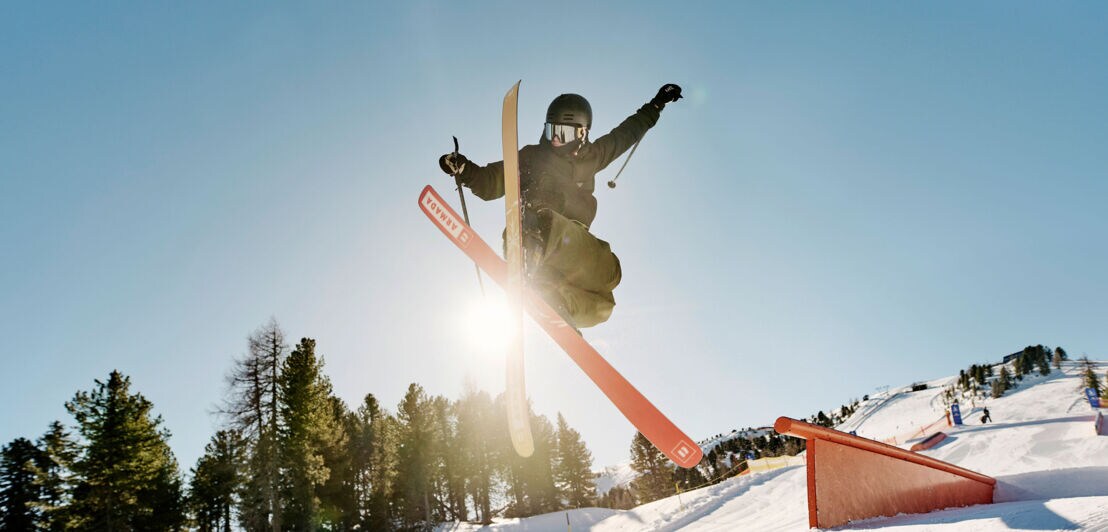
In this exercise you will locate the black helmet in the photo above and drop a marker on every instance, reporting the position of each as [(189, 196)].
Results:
[(570, 109)]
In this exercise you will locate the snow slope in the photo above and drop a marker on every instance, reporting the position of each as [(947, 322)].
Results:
[(1051, 470)]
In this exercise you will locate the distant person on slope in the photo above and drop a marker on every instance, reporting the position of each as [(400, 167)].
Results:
[(574, 271), (985, 416)]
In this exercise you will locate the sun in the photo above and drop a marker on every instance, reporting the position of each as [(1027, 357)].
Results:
[(487, 325)]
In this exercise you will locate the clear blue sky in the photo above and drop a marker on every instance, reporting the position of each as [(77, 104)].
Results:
[(851, 195)]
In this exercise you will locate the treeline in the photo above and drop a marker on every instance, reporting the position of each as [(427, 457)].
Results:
[(980, 380), (116, 472), (837, 417), (658, 477), (289, 456)]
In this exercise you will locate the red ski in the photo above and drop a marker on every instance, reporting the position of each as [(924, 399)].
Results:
[(635, 407)]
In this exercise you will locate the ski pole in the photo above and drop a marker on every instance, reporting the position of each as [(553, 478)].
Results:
[(465, 213), (612, 183)]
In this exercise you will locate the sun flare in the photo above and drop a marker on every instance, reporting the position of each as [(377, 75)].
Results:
[(487, 325)]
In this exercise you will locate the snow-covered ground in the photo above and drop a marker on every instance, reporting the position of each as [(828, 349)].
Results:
[(618, 475), (1051, 470)]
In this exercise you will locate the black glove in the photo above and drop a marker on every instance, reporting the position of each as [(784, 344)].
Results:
[(453, 163), (668, 93)]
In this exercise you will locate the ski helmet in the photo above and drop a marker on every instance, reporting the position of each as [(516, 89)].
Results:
[(570, 109)]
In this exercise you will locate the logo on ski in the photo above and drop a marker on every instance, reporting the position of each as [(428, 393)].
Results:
[(444, 217), (684, 452)]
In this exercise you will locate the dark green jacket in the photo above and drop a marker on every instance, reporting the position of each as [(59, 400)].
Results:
[(564, 184)]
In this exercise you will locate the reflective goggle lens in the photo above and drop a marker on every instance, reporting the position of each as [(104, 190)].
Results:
[(564, 132)]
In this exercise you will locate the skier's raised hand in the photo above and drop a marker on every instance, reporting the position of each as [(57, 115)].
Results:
[(669, 92), (453, 163)]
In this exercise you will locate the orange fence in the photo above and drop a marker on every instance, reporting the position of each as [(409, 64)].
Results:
[(851, 478)]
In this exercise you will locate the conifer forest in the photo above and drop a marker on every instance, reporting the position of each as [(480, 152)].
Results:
[(290, 455)]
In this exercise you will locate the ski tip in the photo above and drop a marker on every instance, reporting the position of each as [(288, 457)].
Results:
[(524, 449), (686, 454)]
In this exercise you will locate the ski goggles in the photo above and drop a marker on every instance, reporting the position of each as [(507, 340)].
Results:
[(565, 133)]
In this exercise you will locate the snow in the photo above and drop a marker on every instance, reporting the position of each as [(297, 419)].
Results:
[(1051, 470), (612, 476), (582, 519)]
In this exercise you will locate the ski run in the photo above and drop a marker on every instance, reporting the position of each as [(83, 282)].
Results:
[(1051, 470)]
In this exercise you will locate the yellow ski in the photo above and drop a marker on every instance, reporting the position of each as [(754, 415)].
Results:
[(519, 418)]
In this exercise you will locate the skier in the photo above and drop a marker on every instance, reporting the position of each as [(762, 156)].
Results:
[(985, 415), (574, 271)]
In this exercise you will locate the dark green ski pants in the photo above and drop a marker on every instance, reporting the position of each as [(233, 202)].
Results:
[(573, 270)]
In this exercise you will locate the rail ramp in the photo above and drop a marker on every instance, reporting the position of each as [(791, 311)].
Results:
[(852, 478)]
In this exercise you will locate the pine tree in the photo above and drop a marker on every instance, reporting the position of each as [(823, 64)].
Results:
[(573, 470), (530, 481), (54, 477), (413, 493), (337, 495), (711, 461), (448, 480), (619, 498), (127, 477), (370, 488), (538, 469), (216, 481), (258, 493), (479, 457), (1002, 383), (309, 429), (19, 495), (373, 465), (654, 470), (1090, 380), (692, 477), (979, 374), (252, 409), (1088, 375), (793, 446), (1043, 363)]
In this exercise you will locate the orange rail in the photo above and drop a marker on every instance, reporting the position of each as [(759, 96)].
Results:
[(808, 431), (851, 478), (930, 442), (920, 432)]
